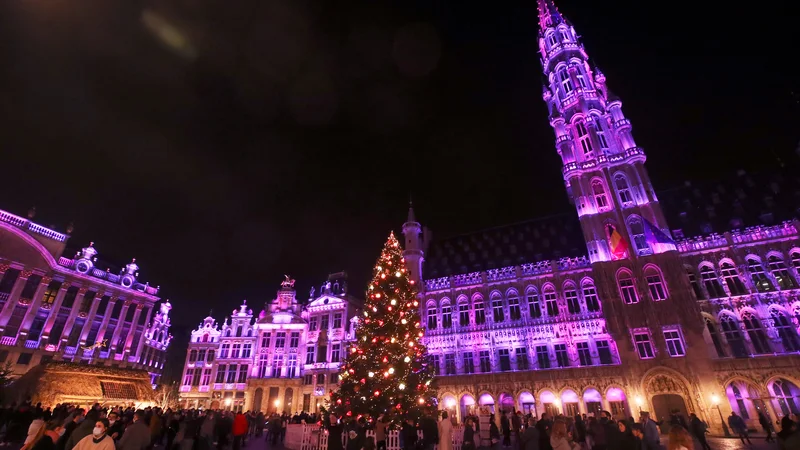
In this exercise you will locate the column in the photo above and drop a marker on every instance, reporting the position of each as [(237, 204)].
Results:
[(106, 317), (34, 308), (13, 298), (144, 333), (48, 325), (87, 326), (132, 332), (120, 322), (76, 307)]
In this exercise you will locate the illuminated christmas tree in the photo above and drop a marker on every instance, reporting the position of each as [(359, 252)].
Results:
[(387, 369)]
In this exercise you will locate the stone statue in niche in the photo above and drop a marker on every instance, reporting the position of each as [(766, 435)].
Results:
[(311, 294)]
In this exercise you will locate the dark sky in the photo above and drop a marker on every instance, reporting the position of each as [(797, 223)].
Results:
[(287, 135)]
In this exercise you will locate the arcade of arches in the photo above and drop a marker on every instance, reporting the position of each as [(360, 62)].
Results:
[(659, 392)]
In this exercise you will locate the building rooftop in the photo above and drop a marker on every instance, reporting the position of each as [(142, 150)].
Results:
[(693, 209)]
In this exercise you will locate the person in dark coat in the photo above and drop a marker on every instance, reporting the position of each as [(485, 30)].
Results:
[(84, 429), (137, 436), (52, 432), (544, 427), (409, 432), (430, 431), (530, 438), (334, 433), (698, 430), (469, 436), (116, 427)]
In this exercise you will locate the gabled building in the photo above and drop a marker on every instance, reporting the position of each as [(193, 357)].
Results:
[(286, 359)]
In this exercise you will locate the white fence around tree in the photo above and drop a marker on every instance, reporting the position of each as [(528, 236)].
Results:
[(312, 437)]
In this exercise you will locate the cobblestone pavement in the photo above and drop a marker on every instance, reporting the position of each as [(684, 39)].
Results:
[(736, 444)]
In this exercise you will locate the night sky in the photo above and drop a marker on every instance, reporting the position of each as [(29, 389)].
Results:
[(286, 136)]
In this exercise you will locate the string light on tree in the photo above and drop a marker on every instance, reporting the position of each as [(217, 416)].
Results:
[(388, 358)]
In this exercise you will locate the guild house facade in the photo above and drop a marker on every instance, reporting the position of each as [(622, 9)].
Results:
[(57, 308), (286, 358), (613, 307)]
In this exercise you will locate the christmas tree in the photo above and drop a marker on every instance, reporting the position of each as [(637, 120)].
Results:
[(386, 370)]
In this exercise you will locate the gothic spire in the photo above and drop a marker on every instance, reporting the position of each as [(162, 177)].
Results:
[(548, 14), (411, 217)]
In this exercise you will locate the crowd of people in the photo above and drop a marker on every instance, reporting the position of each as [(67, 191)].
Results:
[(527, 432), (69, 427)]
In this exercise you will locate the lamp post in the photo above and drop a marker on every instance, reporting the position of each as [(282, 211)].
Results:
[(715, 402), (639, 402), (277, 404)]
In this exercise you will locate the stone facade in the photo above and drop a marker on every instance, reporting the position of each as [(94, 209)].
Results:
[(55, 308), (705, 325), (286, 359)]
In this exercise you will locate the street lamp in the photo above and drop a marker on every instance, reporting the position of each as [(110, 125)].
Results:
[(715, 402), (228, 402), (639, 402)]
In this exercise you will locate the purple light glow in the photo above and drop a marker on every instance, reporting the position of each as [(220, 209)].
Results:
[(615, 395)]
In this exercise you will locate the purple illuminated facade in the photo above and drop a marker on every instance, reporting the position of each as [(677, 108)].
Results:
[(641, 322), (285, 359), (55, 308)]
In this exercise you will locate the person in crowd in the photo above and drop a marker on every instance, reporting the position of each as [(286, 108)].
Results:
[(239, 429), (334, 433), (530, 438), (736, 423), (409, 434), (84, 429), (469, 436), (789, 436), (430, 431), (137, 435), (53, 430), (544, 426), (679, 438), (98, 439), (626, 439), (115, 428), (34, 430), (766, 424), (445, 430), (505, 426), (516, 427), (560, 438), (381, 425), (651, 438), (698, 429)]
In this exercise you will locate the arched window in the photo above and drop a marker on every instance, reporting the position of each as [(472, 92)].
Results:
[(432, 320), (698, 291), (636, 228), (550, 300), (715, 338), (786, 394), (565, 35), (590, 296), (732, 279), (795, 256), (228, 332), (584, 139), (781, 273), (480, 311), (737, 394), (711, 282), (534, 307), (730, 328), (601, 134), (571, 295), (627, 287), (565, 81), (655, 283), (447, 315), (786, 331), (551, 40), (513, 305), (463, 313), (205, 337), (756, 332), (497, 308), (760, 280), (623, 190), (599, 193)]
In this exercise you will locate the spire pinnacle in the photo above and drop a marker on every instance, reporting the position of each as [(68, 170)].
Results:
[(411, 217), (548, 14)]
